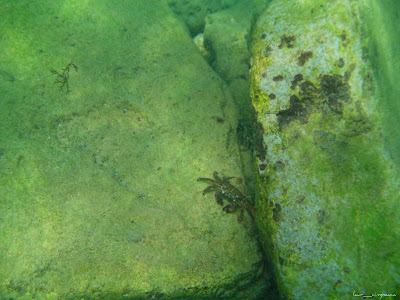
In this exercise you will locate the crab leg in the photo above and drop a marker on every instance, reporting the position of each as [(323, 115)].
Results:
[(209, 180), (217, 178), (209, 188), (240, 215)]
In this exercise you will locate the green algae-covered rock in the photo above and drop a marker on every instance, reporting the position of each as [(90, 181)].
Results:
[(328, 187), (194, 12), (226, 34), (98, 195)]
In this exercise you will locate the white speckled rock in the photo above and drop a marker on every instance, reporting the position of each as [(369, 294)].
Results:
[(328, 185)]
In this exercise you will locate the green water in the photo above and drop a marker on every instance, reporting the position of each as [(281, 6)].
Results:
[(382, 20), (109, 112)]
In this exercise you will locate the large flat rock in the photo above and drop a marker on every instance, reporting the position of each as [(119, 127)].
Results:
[(99, 197)]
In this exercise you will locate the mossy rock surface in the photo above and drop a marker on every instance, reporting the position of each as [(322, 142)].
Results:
[(98, 196), (328, 187)]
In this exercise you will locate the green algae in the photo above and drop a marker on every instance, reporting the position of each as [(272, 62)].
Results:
[(326, 198), (99, 196)]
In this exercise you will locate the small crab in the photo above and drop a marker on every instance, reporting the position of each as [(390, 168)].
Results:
[(225, 190)]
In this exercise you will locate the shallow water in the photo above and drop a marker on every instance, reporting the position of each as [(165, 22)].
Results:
[(109, 112)]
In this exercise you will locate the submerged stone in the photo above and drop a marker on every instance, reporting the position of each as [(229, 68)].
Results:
[(328, 184), (98, 195)]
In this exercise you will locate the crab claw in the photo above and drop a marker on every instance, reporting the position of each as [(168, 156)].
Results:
[(218, 198), (229, 208)]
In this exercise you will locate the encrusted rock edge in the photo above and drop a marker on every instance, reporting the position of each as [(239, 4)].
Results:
[(327, 186)]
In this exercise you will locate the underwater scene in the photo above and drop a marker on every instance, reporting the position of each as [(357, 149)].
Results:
[(199, 149)]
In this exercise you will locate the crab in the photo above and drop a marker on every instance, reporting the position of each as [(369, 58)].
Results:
[(225, 190)]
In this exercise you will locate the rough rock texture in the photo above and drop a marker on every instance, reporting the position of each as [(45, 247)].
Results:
[(98, 194), (194, 12), (226, 34), (328, 186)]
